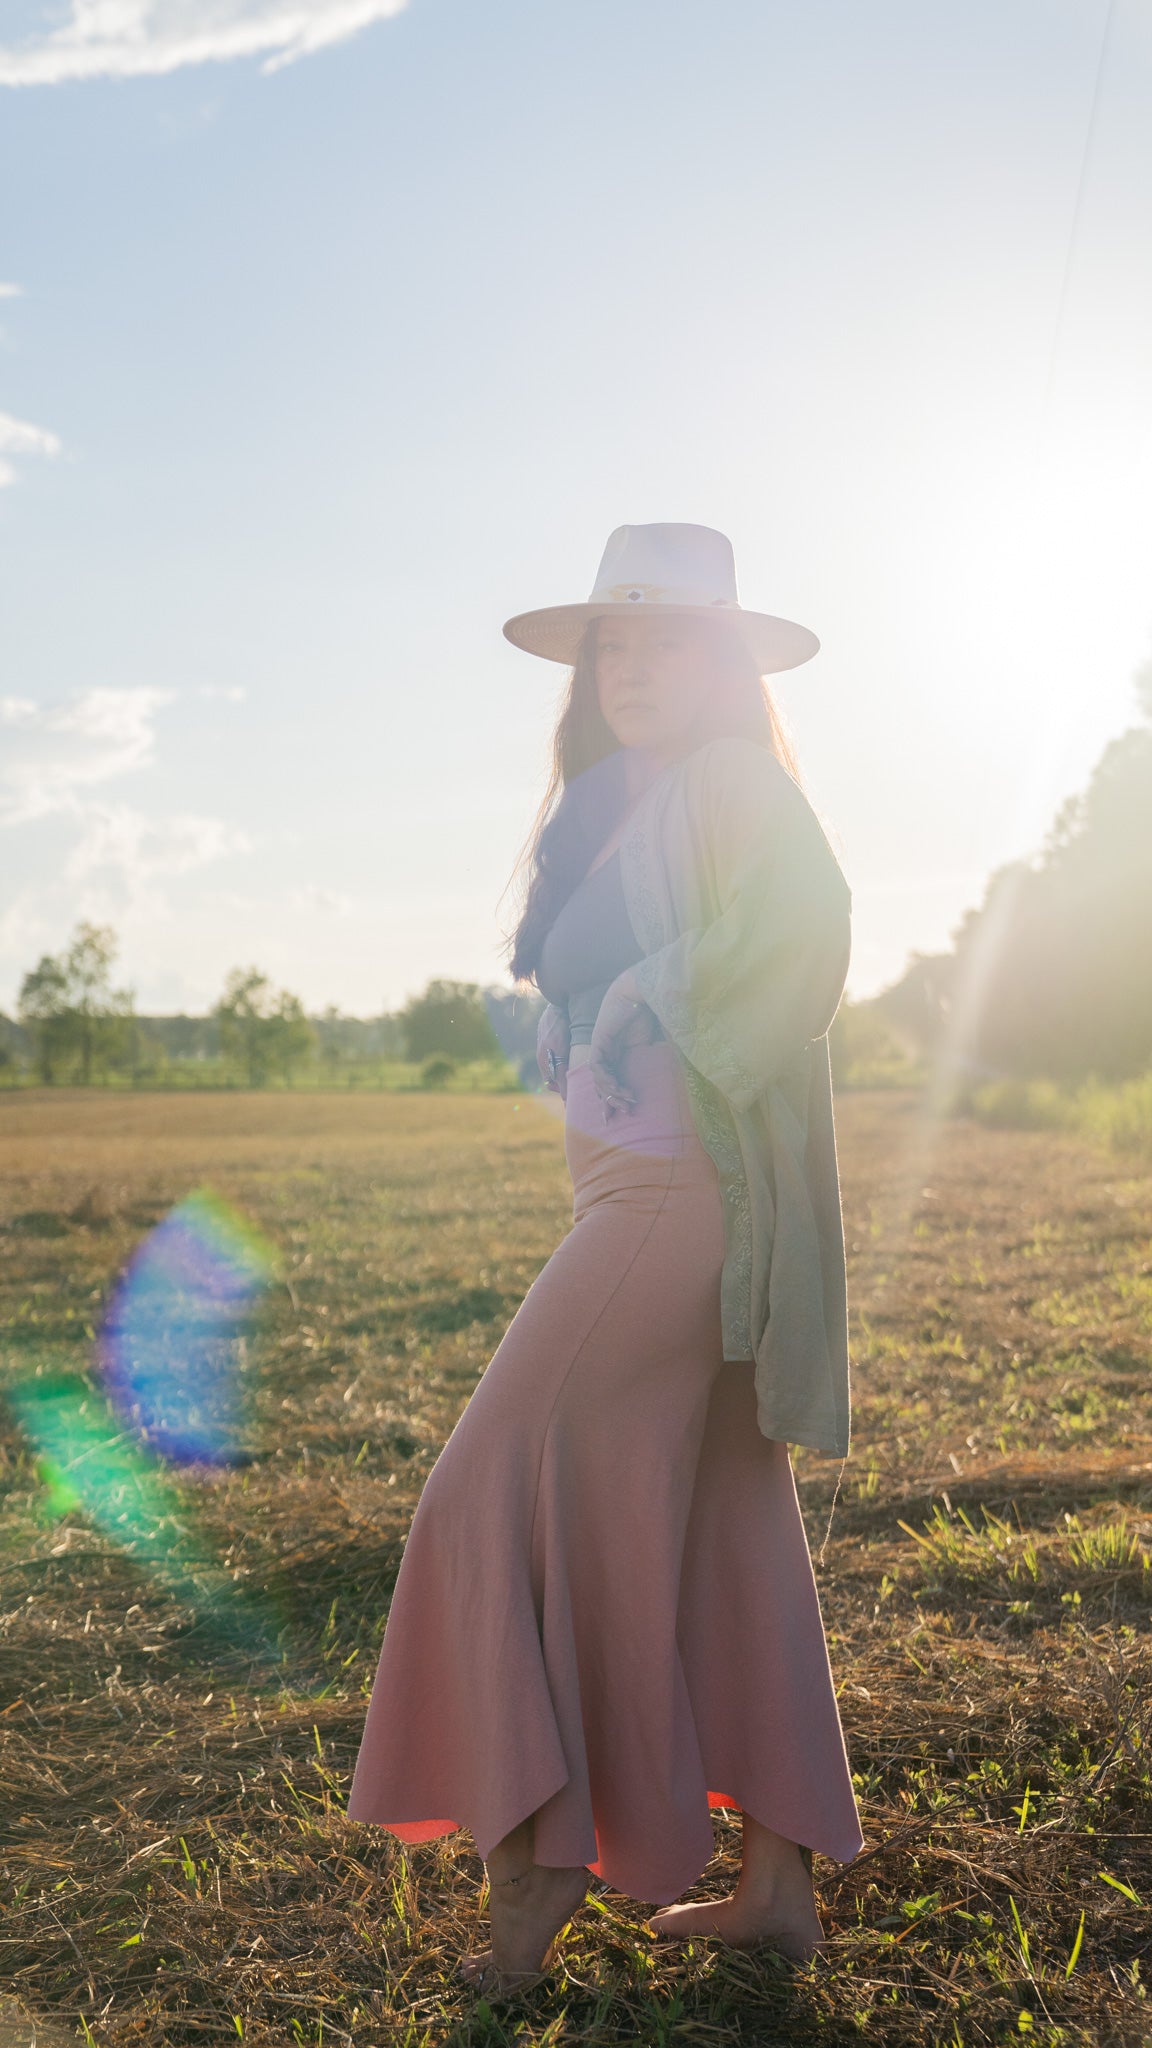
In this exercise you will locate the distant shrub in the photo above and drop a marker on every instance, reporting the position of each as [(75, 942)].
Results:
[(864, 1053), (449, 1018), (1119, 1116), (1019, 1105), (1122, 1116), (437, 1071)]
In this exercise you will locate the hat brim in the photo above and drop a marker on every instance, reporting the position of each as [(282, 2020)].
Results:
[(557, 631)]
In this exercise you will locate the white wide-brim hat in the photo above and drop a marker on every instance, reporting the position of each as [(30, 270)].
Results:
[(664, 569)]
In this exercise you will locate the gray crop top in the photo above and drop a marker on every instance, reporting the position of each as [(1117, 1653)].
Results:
[(586, 947)]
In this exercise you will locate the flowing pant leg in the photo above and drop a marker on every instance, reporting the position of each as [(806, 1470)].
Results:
[(606, 1611)]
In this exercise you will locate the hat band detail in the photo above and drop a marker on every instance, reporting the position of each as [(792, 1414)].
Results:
[(659, 593)]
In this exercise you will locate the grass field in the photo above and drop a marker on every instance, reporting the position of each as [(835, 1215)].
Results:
[(176, 1865)]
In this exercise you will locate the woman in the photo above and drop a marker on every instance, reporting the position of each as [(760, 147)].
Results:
[(606, 1620)]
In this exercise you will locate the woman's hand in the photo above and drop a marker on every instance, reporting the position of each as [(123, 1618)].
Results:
[(553, 1045), (623, 1019)]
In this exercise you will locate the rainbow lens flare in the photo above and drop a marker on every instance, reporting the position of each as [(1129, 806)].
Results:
[(167, 1350), (169, 1393), (89, 1461)]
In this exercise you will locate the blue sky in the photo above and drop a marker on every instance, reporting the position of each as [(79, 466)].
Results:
[(313, 371)]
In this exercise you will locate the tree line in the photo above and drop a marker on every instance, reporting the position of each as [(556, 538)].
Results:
[(74, 1025), (1051, 976)]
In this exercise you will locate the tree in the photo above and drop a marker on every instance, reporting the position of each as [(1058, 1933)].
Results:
[(1053, 973), (514, 1016), (863, 1048), (916, 1008), (328, 1037), (71, 1009), (450, 1017), (100, 1012), (264, 1030), (291, 1037), (43, 1009)]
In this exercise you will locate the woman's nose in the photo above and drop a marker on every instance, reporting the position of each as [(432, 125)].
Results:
[(634, 668)]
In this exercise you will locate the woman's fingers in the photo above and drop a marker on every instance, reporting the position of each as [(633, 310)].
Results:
[(614, 1030), (613, 1092), (553, 1043)]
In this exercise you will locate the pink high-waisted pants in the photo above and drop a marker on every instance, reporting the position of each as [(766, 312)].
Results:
[(606, 1613)]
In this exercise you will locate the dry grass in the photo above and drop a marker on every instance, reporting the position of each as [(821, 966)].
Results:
[(177, 1867)]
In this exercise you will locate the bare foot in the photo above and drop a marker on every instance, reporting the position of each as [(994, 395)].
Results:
[(481, 1973), (779, 1913), (526, 1916)]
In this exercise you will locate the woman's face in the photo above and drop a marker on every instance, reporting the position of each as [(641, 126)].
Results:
[(655, 679)]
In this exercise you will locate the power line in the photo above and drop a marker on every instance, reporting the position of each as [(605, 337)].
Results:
[(1077, 209)]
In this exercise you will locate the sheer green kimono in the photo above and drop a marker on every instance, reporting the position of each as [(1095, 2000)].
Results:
[(742, 912)]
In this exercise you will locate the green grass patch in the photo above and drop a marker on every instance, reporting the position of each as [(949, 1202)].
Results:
[(177, 1865)]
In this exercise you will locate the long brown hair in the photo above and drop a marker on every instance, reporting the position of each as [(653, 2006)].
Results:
[(544, 874)]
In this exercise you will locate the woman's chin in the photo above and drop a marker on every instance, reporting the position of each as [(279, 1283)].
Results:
[(644, 734)]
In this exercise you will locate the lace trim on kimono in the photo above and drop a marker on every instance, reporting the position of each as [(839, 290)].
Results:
[(713, 1118), (711, 1049), (717, 1133)]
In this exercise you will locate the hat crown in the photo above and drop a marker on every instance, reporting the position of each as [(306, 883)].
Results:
[(670, 564), (674, 569)]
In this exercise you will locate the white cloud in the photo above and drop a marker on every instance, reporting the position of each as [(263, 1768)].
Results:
[(224, 693), (24, 932), (313, 900), (115, 874), (144, 38), (137, 849), (50, 752), (105, 860), (11, 291), (19, 437)]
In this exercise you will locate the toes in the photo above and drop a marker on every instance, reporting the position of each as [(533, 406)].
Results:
[(472, 1968), (493, 1983), (674, 1926)]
